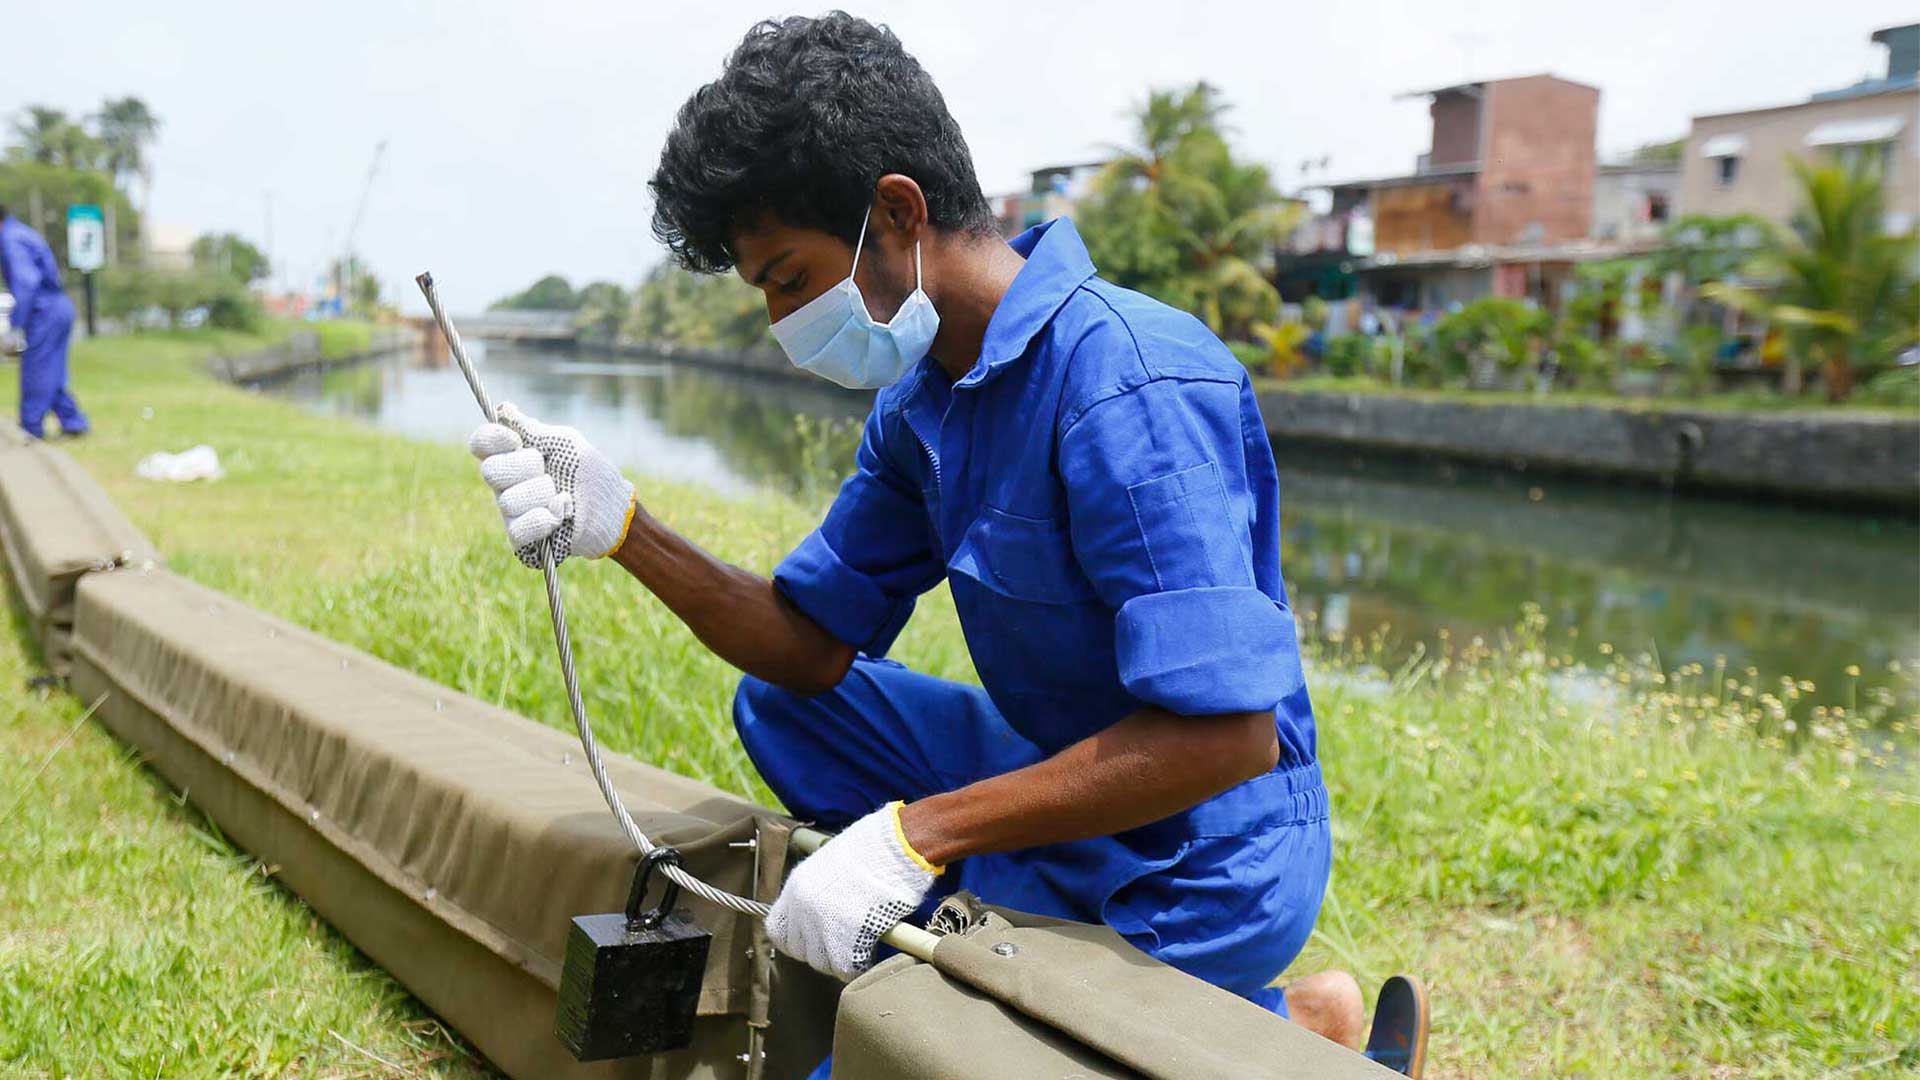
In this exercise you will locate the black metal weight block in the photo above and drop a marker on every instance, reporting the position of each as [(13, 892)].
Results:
[(631, 982)]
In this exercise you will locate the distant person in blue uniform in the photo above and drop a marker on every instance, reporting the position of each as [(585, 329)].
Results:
[(41, 326), (1085, 467)]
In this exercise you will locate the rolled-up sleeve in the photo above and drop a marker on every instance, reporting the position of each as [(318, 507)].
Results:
[(1158, 500), (857, 575)]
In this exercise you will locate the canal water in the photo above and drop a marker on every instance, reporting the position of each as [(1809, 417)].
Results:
[(1415, 548)]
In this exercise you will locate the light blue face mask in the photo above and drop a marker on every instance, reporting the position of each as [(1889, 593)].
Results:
[(836, 338)]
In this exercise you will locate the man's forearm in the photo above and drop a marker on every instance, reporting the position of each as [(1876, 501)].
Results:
[(737, 614), (1150, 765)]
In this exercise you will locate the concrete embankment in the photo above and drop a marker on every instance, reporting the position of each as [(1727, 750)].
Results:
[(300, 352), (751, 361), (1862, 460), (1857, 460)]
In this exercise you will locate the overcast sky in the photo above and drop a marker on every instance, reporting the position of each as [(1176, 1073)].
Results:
[(521, 135)]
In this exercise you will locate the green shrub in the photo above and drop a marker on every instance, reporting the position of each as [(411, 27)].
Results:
[(127, 291), (1693, 357), (1349, 354), (1898, 388), (1583, 361), (342, 337), (1495, 329), (1314, 312), (1257, 358)]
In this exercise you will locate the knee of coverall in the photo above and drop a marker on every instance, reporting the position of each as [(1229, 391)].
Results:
[(787, 738), (1235, 938)]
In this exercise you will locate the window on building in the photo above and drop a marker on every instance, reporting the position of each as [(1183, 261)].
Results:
[(1657, 206), (1872, 156), (1723, 153)]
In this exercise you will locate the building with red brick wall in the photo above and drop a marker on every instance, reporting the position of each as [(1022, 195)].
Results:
[(1536, 161), (1507, 181)]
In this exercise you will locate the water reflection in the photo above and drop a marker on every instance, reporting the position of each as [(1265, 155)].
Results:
[(1367, 543), (732, 432), (1784, 591)]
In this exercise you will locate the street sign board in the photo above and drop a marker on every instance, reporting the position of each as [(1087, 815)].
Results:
[(86, 238)]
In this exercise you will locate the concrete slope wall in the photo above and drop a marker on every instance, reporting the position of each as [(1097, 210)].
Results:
[(1868, 460)]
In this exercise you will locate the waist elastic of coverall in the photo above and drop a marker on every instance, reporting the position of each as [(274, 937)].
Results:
[(1283, 797)]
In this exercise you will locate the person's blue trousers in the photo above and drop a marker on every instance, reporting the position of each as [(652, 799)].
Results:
[(43, 372), (1228, 892)]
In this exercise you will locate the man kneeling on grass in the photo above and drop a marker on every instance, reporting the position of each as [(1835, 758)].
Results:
[(1085, 467)]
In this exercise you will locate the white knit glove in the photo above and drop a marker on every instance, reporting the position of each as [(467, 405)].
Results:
[(552, 482), (840, 899)]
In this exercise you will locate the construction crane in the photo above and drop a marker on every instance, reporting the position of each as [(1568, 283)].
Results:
[(342, 273)]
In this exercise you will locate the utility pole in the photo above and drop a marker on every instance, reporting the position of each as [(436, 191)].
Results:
[(273, 266)]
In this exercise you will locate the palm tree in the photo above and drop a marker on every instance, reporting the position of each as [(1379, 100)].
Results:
[(78, 148), (40, 133), (1176, 217), (1843, 286), (1166, 120), (127, 127)]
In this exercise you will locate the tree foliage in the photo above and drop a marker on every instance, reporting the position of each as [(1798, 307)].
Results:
[(600, 309), (1843, 285), (231, 255), (136, 293), (550, 293), (1491, 333), (1177, 217), (126, 128), (58, 187), (115, 144), (54, 162), (675, 306)]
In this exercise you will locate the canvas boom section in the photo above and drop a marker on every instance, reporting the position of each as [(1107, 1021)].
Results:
[(451, 841), (55, 525)]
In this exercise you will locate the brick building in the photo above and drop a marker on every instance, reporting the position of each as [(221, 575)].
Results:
[(1501, 202)]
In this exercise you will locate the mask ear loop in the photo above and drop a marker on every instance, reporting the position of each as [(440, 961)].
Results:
[(857, 244), (918, 284)]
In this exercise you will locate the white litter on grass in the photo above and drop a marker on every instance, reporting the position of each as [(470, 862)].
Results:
[(199, 463)]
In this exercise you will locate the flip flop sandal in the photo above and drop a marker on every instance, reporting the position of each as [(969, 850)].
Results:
[(1399, 1036)]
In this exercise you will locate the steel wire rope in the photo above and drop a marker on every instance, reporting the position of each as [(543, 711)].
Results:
[(912, 940), (556, 608)]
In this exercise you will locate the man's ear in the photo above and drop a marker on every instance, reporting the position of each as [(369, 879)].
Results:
[(900, 206)]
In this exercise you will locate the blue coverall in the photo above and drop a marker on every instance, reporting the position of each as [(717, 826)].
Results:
[(44, 314), (1100, 494)]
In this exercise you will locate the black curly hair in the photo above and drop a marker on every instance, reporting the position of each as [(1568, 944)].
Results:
[(804, 120)]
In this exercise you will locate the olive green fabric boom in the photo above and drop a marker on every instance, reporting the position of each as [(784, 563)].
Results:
[(55, 525), (450, 840), (1017, 995)]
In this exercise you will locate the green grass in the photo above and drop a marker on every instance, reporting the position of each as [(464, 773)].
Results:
[(1762, 401), (1665, 881), (136, 941)]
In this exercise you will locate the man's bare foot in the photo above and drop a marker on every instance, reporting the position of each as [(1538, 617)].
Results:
[(1329, 1005)]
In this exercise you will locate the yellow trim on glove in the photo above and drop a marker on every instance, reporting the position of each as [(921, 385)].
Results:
[(900, 833), (633, 504)]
